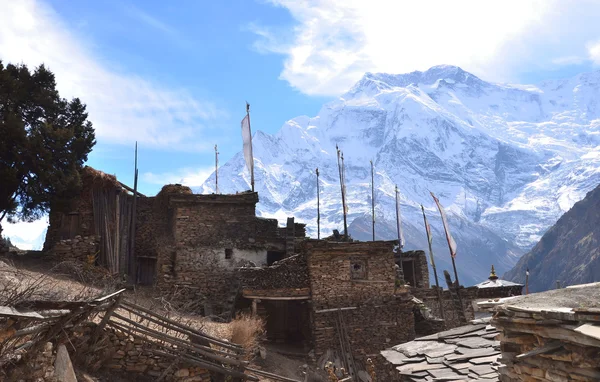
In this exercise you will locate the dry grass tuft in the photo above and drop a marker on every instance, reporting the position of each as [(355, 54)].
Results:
[(247, 330)]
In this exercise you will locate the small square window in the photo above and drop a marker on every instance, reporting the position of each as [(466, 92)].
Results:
[(228, 253), (358, 270)]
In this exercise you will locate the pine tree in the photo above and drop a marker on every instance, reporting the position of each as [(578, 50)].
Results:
[(44, 141)]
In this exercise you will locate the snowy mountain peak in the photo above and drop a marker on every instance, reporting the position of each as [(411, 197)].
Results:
[(505, 160), (436, 75)]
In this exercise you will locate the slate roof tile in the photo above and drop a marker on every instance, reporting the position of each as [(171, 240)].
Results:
[(467, 353)]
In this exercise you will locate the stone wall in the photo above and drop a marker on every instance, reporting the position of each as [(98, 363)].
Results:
[(357, 281), (289, 273), (122, 353), (225, 221), (197, 275), (552, 341), (370, 326), (77, 249), (452, 319), (71, 218), (334, 272)]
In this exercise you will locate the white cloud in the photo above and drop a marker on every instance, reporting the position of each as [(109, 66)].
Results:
[(26, 236), (594, 51), (334, 43), (122, 106), (568, 60), (186, 176)]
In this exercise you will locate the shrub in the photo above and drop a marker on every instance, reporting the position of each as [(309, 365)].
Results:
[(247, 330)]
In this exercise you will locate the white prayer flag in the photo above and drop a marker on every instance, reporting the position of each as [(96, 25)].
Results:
[(247, 139), (449, 238)]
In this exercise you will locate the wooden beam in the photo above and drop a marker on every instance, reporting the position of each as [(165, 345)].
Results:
[(335, 309), (170, 327), (209, 338), (271, 375), (132, 190), (207, 366), (278, 298), (176, 341), (105, 319), (110, 295)]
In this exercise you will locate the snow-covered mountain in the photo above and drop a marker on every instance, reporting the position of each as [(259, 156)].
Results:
[(505, 160)]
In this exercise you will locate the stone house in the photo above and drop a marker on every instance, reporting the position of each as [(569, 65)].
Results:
[(188, 245)]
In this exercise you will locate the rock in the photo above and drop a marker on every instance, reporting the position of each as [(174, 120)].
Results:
[(63, 368), (182, 373)]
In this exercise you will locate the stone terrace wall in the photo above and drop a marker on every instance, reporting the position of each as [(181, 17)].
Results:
[(374, 315), (79, 248), (122, 353), (452, 319)]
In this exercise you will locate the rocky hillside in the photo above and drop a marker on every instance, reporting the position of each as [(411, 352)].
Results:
[(568, 252), (505, 160)]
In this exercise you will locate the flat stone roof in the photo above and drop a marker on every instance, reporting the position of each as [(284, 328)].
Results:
[(466, 353), (577, 297)]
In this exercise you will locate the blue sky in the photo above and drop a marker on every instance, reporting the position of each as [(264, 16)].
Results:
[(175, 75)]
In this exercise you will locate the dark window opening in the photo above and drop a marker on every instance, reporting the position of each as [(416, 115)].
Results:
[(228, 253), (410, 277), (273, 256), (358, 270)]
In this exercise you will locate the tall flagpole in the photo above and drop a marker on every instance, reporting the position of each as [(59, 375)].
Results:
[(318, 207), (373, 198), (430, 249), (250, 130), (340, 158), (400, 244), (132, 256), (437, 284), (216, 170), (344, 194)]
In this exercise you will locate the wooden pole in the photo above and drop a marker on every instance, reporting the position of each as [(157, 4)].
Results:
[(250, 130), (209, 366), (344, 197), (341, 173), (216, 170), (437, 284), (209, 338), (181, 344), (318, 207), (400, 244), (132, 256), (373, 198)]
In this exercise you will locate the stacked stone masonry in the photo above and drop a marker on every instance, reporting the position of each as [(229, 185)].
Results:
[(356, 280), (551, 336), (122, 353), (451, 316), (80, 248)]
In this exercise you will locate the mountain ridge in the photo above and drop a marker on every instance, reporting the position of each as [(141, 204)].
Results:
[(505, 160), (569, 251)]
